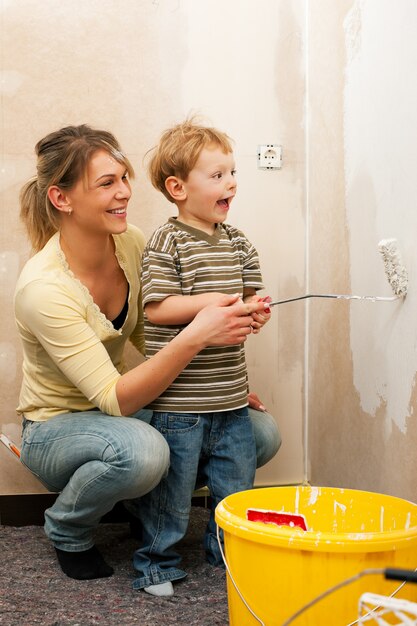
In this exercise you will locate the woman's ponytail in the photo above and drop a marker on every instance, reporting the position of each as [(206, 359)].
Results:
[(39, 222)]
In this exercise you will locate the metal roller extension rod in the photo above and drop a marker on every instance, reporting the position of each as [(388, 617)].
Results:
[(395, 272)]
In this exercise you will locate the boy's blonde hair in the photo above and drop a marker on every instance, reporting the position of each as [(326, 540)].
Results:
[(178, 150)]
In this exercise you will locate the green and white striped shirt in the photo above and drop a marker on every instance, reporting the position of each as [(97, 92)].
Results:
[(182, 260)]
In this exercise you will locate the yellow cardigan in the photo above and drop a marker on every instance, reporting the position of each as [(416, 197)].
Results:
[(72, 355)]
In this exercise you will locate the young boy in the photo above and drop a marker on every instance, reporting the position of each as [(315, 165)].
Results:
[(191, 262)]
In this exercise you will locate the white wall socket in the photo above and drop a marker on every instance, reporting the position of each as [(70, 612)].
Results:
[(270, 157)]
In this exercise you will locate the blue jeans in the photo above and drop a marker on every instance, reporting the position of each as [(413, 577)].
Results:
[(221, 447), (94, 460), (267, 436)]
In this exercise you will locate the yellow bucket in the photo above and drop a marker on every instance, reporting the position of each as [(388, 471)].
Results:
[(278, 569)]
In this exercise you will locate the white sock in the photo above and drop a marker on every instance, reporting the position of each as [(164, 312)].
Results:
[(161, 590)]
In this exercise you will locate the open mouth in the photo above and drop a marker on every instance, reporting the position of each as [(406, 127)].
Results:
[(224, 203), (116, 211)]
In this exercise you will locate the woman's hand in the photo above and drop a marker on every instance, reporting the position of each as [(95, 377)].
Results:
[(255, 402), (228, 323), (223, 325)]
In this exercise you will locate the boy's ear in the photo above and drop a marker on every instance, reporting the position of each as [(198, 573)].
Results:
[(59, 199), (175, 188)]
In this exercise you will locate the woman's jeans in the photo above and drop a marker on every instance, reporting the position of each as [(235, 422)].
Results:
[(94, 460), (267, 436), (221, 445)]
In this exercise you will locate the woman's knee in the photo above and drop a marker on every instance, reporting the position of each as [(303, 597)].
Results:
[(143, 458), (266, 434)]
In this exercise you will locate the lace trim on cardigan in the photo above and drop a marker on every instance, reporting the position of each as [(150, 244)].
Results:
[(95, 308)]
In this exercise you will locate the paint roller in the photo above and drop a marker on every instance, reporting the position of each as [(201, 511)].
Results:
[(395, 272)]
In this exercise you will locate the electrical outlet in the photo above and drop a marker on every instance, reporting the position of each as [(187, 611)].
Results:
[(270, 157)]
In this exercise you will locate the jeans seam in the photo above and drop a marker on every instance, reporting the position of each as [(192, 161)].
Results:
[(87, 485), (63, 437), (160, 525)]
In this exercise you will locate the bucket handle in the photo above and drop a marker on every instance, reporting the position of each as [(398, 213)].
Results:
[(390, 574), (258, 619)]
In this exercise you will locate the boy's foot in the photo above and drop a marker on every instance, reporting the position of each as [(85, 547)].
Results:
[(163, 590), (85, 565)]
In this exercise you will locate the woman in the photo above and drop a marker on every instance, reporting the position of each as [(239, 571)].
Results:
[(77, 302)]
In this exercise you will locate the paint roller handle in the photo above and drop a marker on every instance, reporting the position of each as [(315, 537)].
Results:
[(409, 576), (338, 296), (309, 295)]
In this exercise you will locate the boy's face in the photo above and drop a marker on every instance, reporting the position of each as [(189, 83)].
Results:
[(210, 189)]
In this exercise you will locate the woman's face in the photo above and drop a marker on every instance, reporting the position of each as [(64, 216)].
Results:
[(99, 200)]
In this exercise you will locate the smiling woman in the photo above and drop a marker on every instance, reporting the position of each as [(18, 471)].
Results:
[(77, 302), (103, 193), (64, 164)]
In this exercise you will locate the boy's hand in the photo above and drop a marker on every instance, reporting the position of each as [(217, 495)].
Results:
[(224, 325), (259, 319)]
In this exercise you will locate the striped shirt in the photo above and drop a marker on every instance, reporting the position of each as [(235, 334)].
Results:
[(182, 260)]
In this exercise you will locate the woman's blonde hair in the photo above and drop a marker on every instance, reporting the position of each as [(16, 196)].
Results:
[(178, 150), (63, 157)]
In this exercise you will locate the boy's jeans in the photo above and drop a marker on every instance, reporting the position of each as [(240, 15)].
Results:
[(94, 460), (222, 447)]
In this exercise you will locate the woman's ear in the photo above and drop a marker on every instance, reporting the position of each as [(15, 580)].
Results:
[(175, 188), (59, 199)]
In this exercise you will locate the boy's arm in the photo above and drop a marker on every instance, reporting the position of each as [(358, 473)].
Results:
[(175, 310), (163, 301), (248, 292)]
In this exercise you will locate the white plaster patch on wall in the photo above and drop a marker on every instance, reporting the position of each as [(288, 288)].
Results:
[(10, 82), (381, 192), (7, 363), (13, 431), (14, 170), (9, 270), (7, 172), (4, 4), (353, 29)]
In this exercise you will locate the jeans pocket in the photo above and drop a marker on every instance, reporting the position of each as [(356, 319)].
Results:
[(240, 413), (30, 457), (167, 423), (26, 426)]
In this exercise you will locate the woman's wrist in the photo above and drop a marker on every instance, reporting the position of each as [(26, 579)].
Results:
[(192, 338)]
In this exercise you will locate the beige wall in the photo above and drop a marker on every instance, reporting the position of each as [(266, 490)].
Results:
[(330, 80), (134, 68)]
